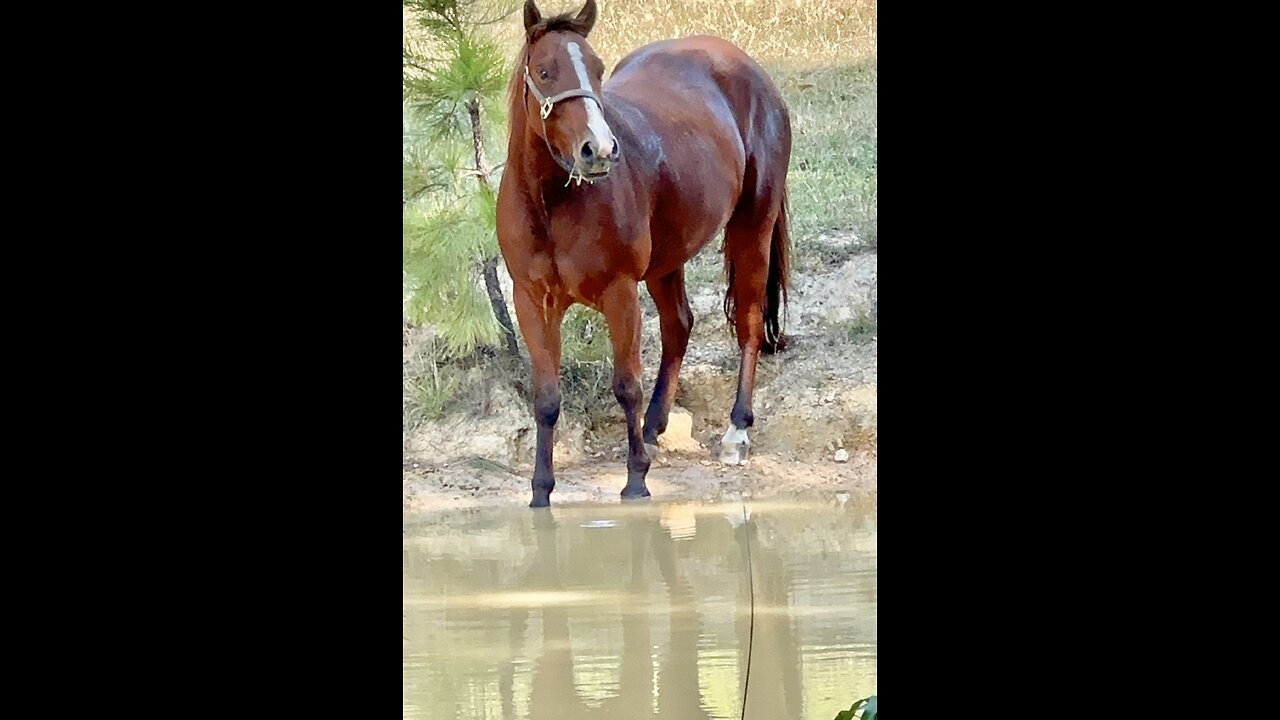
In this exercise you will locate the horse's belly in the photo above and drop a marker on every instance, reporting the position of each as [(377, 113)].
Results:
[(688, 221)]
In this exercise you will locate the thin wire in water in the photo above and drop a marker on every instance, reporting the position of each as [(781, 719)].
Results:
[(751, 629)]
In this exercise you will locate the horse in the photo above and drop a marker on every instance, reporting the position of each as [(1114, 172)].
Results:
[(607, 185)]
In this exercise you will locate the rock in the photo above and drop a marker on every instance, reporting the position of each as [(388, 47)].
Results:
[(678, 436), (842, 455)]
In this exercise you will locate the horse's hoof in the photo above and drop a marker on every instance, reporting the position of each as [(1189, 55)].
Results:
[(640, 493), (540, 502), (735, 446), (651, 450), (735, 454)]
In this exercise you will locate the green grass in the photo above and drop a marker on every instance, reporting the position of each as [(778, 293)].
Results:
[(436, 384), (586, 369), (832, 179), (426, 394), (429, 400), (862, 329)]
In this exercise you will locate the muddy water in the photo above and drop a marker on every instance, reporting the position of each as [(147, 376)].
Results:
[(639, 611)]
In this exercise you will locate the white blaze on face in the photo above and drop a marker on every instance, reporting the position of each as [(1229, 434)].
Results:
[(595, 120)]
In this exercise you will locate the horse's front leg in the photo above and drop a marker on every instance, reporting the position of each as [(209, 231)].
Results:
[(621, 306), (540, 320)]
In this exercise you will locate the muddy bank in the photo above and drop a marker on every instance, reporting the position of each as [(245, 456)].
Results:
[(815, 406)]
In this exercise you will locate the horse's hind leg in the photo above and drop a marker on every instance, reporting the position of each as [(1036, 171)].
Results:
[(676, 320), (747, 247), (621, 306)]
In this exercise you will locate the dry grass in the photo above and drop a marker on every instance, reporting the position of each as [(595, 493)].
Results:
[(811, 32)]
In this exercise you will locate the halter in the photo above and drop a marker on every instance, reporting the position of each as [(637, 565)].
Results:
[(546, 105)]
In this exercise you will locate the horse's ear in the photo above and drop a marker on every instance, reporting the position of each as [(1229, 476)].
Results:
[(586, 18), (531, 15)]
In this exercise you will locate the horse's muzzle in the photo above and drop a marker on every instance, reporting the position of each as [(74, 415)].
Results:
[(596, 162)]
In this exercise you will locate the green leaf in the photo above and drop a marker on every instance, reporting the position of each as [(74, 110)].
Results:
[(868, 706)]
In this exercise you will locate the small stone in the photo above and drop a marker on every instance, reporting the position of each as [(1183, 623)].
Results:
[(842, 455), (678, 435)]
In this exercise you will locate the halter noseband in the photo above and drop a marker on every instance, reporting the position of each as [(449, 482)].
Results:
[(546, 105)]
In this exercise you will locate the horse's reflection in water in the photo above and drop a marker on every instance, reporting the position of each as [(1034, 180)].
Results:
[(774, 691), (775, 670), (554, 695)]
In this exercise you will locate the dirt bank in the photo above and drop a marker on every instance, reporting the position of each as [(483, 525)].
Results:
[(815, 408)]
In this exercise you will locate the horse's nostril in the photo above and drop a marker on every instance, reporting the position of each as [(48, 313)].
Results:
[(587, 151)]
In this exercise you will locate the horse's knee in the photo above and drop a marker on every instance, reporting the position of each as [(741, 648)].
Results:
[(546, 406), (627, 389)]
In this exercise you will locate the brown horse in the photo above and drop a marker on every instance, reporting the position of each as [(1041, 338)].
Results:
[(610, 184)]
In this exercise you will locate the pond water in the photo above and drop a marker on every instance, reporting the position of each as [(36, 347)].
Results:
[(647, 610)]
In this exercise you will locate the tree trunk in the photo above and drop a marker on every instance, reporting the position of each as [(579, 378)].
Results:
[(490, 263), (477, 140), (499, 305)]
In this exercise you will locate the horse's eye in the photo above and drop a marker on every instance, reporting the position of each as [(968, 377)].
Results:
[(543, 74)]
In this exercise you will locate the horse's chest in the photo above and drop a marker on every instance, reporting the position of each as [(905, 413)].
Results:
[(591, 256)]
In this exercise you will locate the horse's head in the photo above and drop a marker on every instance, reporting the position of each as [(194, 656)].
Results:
[(562, 77)]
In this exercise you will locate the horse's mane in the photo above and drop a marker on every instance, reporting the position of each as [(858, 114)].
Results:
[(515, 87)]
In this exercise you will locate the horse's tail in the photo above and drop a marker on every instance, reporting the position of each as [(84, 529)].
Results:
[(775, 290)]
